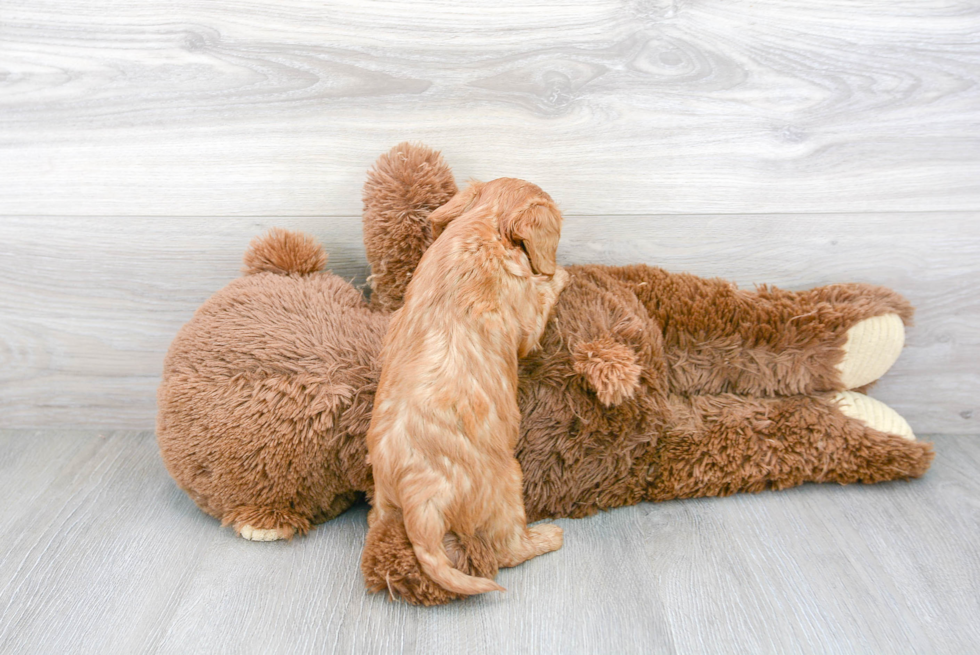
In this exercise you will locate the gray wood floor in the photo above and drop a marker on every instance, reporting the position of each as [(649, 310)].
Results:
[(104, 555)]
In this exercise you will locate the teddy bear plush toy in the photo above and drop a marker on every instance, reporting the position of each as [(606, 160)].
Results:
[(647, 386)]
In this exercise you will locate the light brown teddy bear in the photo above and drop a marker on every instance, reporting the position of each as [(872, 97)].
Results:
[(648, 386)]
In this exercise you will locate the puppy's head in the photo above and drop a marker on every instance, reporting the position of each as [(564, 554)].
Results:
[(528, 218)]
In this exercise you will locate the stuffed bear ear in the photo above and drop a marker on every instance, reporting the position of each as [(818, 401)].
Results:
[(455, 208), (402, 189), (610, 368)]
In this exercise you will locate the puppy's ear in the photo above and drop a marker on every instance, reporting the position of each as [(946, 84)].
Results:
[(455, 208), (536, 229)]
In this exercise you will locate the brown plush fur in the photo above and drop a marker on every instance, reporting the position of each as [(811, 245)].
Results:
[(285, 253), (389, 563), (445, 423), (648, 385), (403, 188), (264, 388)]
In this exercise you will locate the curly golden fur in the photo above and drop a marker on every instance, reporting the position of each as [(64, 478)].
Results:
[(446, 421)]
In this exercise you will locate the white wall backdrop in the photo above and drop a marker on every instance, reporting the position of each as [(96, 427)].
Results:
[(143, 144)]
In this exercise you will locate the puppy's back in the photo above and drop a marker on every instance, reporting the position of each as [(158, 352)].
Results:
[(446, 416)]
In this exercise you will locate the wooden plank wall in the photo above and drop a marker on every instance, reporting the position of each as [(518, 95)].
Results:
[(142, 145)]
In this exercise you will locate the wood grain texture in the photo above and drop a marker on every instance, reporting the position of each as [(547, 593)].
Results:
[(88, 307), (104, 554), (207, 108)]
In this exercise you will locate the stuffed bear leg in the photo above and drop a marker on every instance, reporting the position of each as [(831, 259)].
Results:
[(768, 342), (724, 444)]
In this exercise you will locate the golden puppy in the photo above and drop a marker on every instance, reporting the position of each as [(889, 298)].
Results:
[(445, 422)]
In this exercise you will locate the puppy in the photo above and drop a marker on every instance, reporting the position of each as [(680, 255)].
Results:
[(445, 422)]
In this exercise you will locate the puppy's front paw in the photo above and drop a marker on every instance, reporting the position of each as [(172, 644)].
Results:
[(560, 279)]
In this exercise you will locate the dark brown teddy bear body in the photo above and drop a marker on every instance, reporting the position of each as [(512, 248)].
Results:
[(647, 386), (268, 390)]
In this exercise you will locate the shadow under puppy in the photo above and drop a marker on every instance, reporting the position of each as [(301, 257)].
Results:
[(446, 421)]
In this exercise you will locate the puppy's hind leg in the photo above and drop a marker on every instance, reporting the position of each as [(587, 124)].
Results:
[(515, 542), (528, 543)]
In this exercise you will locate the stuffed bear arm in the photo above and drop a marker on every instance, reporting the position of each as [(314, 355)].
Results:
[(608, 335)]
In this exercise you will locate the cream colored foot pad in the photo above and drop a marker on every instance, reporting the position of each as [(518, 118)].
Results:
[(875, 414), (871, 348), (256, 534)]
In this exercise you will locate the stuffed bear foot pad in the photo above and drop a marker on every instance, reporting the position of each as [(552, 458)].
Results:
[(258, 534), (871, 348), (874, 413)]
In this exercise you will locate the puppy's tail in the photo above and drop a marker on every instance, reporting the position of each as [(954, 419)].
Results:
[(284, 252), (426, 530)]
